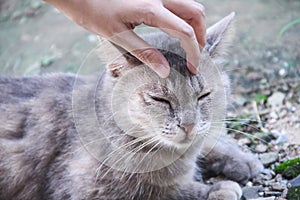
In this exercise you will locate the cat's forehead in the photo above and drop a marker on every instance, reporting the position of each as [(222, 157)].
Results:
[(179, 85)]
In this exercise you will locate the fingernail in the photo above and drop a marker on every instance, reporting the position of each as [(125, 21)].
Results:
[(162, 70)]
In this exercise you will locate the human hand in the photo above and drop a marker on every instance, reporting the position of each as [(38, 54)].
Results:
[(116, 19)]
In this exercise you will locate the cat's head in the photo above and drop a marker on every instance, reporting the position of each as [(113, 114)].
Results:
[(181, 109)]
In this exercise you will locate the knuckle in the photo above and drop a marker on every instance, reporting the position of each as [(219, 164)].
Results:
[(188, 31), (147, 11), (147, 8), (198, 10)]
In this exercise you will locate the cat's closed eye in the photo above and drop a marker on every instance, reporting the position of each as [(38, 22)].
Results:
[(161, 100), (204, 95)]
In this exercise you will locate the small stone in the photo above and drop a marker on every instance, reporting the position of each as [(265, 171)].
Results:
[(281, 198), (275, 59), (276, 99), (275, 133), (249, 184), (288, 104), (281, 139), (295, 182), (273, 115), (268, 54), (236, 62), (251, 192), (282, 72), (268, 172), (272, 193), (277, 186), (261, 148), (244, 141), (283, 113), (268, 158), (285, 88), (285, 64), (264, 198)]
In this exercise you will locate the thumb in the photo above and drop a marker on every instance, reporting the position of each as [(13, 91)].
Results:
[(143, 51)]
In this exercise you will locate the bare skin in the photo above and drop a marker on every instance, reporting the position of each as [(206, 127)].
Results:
[(116, 19)]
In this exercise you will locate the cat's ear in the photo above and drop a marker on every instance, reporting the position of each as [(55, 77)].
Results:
[(219, 37), (116, 58)]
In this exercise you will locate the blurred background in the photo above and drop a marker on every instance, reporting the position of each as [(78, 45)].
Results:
[(264, 60), (263, 64)]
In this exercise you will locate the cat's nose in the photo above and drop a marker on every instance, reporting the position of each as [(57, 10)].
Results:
[(187, 127)]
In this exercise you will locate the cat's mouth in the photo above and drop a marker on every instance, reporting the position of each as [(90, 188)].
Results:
[(180, 138)]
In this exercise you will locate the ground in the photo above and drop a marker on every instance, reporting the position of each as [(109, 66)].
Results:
[(264, 66)]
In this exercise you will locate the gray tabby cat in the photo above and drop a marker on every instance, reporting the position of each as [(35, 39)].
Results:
[(126, 135)]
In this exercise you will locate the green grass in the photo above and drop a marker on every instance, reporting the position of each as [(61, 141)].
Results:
[(288, 26), (289, 169)]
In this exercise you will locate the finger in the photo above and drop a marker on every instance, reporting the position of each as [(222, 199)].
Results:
[(142, 51), (178, 28), (193, 13)]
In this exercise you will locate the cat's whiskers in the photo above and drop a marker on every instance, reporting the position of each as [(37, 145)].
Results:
[(100, 138), (147, 169), (237, 131), (109, 118), (247, 134), (135, 150), (119, 136), (240, 123), (85, 145), (153, 140), (114, 152)]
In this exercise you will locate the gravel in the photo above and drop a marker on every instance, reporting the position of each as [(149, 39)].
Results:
[(271, 130)]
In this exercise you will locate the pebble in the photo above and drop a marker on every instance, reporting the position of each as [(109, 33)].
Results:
[(282, 72), (278, 186), (272, 193), (273, 115), (283, 113), (275, 59), (295, 182), (244, 141), (264, 198), (252, 192), (276, 99), (268, 158), (268, 172), (281, 139), (261, 148), (285, 64)]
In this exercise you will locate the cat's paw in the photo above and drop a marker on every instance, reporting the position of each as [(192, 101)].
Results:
[(242, 167), (228, 190)]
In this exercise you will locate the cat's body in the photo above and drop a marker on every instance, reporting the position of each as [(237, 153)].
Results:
[(70, 137)]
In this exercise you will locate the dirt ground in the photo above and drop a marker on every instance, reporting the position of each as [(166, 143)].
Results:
[(264, 63)]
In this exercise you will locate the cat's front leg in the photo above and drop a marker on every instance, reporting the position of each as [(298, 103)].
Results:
[(228, 159), (228, 190)]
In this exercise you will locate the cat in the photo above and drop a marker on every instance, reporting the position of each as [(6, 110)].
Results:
[(127, 134)]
